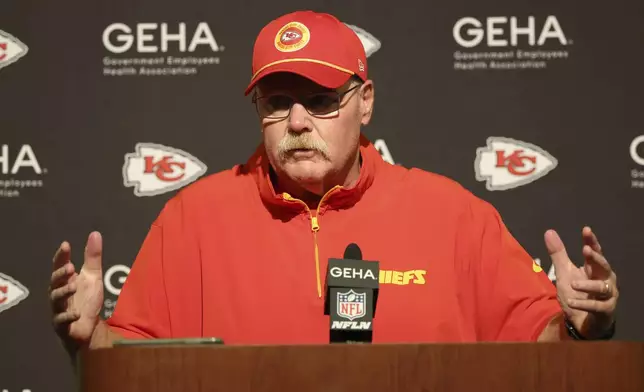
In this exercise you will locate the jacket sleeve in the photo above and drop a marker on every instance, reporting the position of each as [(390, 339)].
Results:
[(142, 308), (509, 296)]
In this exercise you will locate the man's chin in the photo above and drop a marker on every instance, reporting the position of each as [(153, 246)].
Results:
[(306, 172)]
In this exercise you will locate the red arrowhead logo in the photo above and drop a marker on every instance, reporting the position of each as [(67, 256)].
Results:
[(11, 49), (12, 292)]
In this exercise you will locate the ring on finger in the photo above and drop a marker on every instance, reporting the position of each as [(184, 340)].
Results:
[(606, 291)]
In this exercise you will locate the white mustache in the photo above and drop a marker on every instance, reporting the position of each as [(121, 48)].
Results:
[(301, 141)]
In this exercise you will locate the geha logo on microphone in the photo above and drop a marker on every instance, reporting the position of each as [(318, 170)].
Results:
[(155, 169), (352, 273)]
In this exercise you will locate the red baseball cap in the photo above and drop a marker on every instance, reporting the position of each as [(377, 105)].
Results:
[(314, 45)]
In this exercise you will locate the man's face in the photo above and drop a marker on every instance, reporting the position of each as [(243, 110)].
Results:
[(312, 145)]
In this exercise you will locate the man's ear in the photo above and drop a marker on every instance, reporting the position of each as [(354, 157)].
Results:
[(367, 98)]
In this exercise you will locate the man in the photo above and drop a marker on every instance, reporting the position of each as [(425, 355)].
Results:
[(240, 254)]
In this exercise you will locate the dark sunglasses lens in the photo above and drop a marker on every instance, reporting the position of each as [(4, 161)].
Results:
[(274, 106)]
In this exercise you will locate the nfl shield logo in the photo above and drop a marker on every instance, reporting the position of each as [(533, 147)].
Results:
[(351, 305)]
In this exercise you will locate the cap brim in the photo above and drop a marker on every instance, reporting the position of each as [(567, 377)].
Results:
[(324, 75)]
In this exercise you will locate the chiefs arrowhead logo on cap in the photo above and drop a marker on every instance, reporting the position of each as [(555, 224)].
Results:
[(293, 36)]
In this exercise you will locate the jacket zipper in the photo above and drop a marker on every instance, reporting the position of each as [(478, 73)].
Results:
[(315, 227)]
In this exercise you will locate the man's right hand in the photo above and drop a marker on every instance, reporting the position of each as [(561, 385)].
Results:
[(76, 298)]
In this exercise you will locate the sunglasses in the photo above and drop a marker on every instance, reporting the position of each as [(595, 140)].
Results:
[(278, 106)]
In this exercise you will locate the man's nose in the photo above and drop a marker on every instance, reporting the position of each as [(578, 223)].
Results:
[(298, 119)]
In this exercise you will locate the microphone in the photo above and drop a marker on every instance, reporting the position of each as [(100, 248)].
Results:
[(353, 252), (351, 294)]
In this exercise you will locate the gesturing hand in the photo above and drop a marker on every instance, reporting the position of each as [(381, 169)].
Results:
[(76, 298), (587, 294)]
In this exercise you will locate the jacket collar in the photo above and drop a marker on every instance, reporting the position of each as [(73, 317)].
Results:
[(337, 198)]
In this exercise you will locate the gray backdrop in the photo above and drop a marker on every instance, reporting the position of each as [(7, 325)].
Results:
[(535, 106)]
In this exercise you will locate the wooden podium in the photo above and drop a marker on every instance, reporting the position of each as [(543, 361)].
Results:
[(493, 367)]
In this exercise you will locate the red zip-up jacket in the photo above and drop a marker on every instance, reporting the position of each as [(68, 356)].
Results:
[(228, 257)]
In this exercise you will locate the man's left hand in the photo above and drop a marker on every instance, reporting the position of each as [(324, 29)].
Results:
[(587, 294)]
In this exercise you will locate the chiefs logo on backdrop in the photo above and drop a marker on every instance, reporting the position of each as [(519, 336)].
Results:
[(12, 292), (155, 169), (370, 43), (11, 49), (382, 148), (536, 267), (507, 163)]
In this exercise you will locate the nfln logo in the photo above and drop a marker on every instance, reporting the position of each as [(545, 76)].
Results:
[(155, 169), (11, 292), (11, 49), (507, 163)]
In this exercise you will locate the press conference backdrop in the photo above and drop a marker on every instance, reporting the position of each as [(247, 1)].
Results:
[(107, 109)]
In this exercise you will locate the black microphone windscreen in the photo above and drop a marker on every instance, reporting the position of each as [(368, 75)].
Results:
[(353, 252)]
